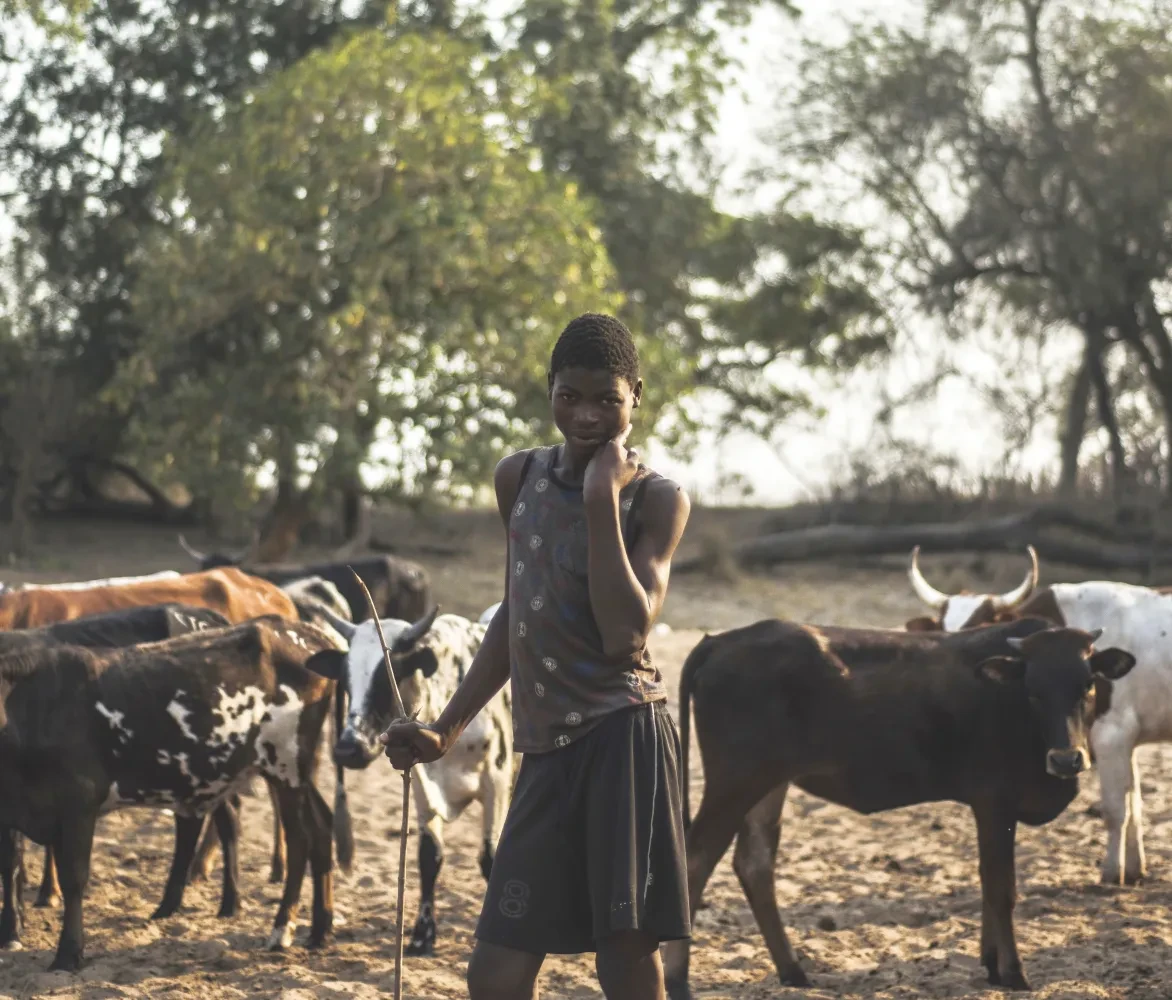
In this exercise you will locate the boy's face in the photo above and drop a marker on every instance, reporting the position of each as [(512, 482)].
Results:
[(590, 406)]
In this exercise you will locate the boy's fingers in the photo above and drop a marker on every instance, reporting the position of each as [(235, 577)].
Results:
[(625, 433)]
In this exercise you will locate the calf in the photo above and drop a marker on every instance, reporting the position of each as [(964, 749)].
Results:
[(1136, 711), (108, 631), (430, 658), (180, 724), (994, 718)]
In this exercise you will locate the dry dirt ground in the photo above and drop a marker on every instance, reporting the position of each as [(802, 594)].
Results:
[(899, 890)]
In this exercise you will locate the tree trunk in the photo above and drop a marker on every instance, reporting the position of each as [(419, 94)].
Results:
[(289, 513), (1074, 428), (1096, 348)]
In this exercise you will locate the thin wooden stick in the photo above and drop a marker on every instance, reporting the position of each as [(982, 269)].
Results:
[(402, 714)]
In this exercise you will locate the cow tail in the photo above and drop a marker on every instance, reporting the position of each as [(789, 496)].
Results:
[(343, 828), (693, 663)]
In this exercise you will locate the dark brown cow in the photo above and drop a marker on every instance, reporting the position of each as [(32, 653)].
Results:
[(400, 589), (180, 724), (995, 718)]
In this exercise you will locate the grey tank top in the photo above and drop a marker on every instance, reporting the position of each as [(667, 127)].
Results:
[(563, 684)]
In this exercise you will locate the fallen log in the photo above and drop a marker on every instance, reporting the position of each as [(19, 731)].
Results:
[(1002, 534)]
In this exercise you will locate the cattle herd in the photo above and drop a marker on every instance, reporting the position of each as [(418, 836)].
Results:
[(176, 691)]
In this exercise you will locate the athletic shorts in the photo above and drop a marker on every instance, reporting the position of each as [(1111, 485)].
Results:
[(593, 842)]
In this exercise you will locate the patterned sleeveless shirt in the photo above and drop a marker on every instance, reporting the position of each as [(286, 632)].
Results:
[(563, 684)]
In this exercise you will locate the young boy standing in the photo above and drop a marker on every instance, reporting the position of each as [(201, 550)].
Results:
[(591, 858)]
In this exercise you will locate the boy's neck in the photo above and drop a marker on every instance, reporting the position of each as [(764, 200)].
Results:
[(570, 468)]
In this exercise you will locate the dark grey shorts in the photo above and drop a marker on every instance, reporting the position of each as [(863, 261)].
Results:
[(593, 842)]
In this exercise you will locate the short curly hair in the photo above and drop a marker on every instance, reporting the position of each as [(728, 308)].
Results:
[(595, 341)]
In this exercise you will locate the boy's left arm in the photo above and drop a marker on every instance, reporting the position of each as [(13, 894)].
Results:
[(627, 591)]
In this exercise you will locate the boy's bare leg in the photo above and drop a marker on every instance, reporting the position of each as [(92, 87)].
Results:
[(498, 973), (629, 967)]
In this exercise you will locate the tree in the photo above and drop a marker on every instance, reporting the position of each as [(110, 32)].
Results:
[(365, 246), (1020, 152)]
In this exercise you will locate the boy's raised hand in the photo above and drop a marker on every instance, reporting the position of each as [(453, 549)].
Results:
[(611, 467), (409, 742)]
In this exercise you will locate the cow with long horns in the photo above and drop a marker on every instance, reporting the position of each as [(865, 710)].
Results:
[(1133, 710)]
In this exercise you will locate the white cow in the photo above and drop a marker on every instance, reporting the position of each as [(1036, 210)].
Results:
[(1136, 709), (430, 657), (488, 613)]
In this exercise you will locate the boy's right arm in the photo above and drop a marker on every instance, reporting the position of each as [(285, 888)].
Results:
[(411, 742)]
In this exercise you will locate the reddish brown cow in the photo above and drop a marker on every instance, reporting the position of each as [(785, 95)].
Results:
[(233, 593)]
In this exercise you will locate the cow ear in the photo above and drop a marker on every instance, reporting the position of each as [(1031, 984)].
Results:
[(1002, 669), (326, 663), (423, 660), (1112, 663), (923, 623)]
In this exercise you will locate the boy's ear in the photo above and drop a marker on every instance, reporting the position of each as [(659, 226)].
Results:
[(637, 391)]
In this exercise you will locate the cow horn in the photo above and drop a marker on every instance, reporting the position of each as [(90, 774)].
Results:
[(344, 628), (406, 639), (194, 553), (1005, 602), (924, 590), (1095, 633)]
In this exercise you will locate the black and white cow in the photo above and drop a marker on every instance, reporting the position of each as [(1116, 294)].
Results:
[(430, 659), (180, 724), (127, 627), (311, 596)]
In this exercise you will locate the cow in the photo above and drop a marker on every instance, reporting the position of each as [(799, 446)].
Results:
[(965, 610), (488, 614), (106, 631), (179, 724), (1139, 709), (430, 658), (234, 594), (994, 718), (400, 589), (113, 581), (310, 596)]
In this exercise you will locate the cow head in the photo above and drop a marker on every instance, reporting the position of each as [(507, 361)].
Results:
[(318, 600), (361, 674), (214, 560), (1064, 680), (964, 610)]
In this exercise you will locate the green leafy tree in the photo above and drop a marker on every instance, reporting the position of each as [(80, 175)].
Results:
[(366, 245)]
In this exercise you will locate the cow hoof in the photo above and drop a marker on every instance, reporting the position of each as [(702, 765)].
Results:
[(276, 875), (678, 991), (319, 939), (229, 909), (281, 938), (1134, 878), (419, 949), (794, 977), (47, 901), (196, 875), (165, 910), (1012, 980), (11, 946), (70, 961)]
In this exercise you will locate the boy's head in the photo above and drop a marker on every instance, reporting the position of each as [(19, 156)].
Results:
[(594, 380)]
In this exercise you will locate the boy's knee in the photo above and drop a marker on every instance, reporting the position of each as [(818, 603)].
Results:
[(496, 973), (628, 965)]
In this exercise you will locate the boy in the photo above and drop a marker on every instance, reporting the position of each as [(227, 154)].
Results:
[(591, 857)]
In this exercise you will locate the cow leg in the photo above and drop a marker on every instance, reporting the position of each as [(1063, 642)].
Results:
[(12, 873), (1134, 863), (72, 848), (717, 820), (431, 860), (496, 785), (293, 809), (996, 833), (321, 862), (754, 860), (50, 890), (1114, 748), (201, 864), (278, 860), (227, 822), (187, 829)]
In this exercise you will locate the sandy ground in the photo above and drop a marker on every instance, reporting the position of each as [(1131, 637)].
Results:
[(898, 891)]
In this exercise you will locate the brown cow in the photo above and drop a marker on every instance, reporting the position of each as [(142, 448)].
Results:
[(995, 718), (235, 594), (964, 610)]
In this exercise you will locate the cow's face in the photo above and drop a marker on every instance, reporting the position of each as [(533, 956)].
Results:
[(216, 560), (1065, 681), (362, 676)]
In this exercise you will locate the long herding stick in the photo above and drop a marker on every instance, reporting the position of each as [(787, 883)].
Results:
[(402, 714)]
